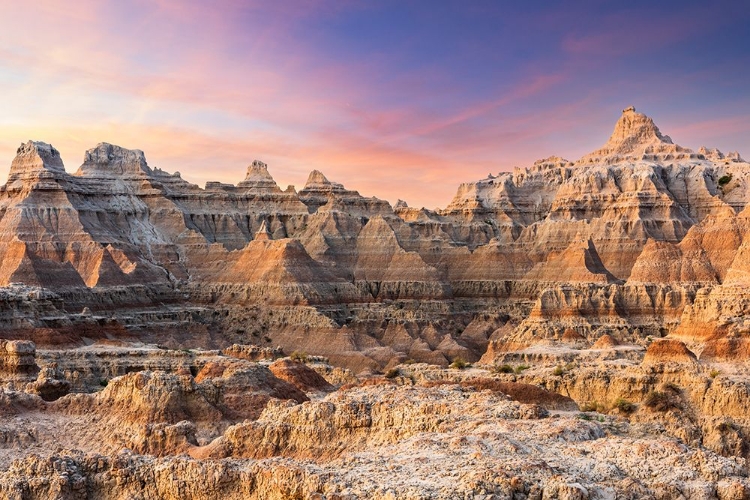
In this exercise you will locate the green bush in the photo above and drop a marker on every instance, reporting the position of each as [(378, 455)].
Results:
[(662, 401), (590, 406), (521, 368), (299, 356), (725, 179), (392, 373), (459, 363), (558, 371), (624, 405), (502, 369)]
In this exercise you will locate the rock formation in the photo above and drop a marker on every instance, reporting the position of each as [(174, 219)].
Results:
[(614, 286), (639, 238)]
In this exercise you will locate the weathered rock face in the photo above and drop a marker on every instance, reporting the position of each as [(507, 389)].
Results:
[(17, 359), (639, 238), (108, 161), (444, 438)]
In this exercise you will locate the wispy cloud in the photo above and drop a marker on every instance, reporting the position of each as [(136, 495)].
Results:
[(205, 88)]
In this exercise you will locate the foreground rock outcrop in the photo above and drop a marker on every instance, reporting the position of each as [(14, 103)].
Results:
[(423, 432)]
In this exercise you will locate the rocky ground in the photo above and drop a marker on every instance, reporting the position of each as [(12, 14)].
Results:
[(139, 421)]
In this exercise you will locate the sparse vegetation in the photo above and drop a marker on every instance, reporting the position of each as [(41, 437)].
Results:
[(725, 179), (714, 373), (392, 373), (591, 406), (624, 406), (299, 356), (103, 382), (584, 416), (558, 371), (662, 401), (502, 369), (521, 368), (459, 363)]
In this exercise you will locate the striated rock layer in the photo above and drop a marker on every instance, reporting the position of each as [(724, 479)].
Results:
[(641, 238)]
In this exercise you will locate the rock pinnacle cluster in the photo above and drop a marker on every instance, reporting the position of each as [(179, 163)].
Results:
[(572, 329)]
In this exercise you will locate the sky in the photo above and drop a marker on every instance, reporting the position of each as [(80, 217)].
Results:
[(396, 99)]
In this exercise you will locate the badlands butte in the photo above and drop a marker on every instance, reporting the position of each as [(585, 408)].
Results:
[(569, 330)]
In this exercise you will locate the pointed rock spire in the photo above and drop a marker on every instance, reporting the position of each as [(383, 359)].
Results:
[(635, 137), (258, 178)]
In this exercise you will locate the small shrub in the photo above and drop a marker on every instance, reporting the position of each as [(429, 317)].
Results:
[(459, 363), (662, 401), (590, 406), (502, 369), (409, 361), (521, 368), (584, 416), (624, 405), (714, 373), (299, 356), (558, 371), (103, 382), (392, 373), (725, 179)]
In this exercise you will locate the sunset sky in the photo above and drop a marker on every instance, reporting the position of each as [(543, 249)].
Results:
[(396, 99)]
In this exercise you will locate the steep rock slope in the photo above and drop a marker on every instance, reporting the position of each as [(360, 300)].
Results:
[(633, 240)]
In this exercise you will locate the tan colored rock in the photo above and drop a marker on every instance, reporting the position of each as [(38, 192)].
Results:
[(668, 351), (299, 375)]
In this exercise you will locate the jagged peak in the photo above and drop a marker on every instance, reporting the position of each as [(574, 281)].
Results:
[(636, 136), (34, 156), (735, 157), (317, 177), (111, 160), (711, 153), (258, 177), (551, 161), (635, 128), (317, 181), (258, 170), (401, 204), (714, 154)]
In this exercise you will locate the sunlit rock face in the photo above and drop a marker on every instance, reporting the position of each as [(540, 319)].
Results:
[(641, 237), (142, 318)]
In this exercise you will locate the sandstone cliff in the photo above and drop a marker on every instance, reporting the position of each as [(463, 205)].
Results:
[(640, 238)]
